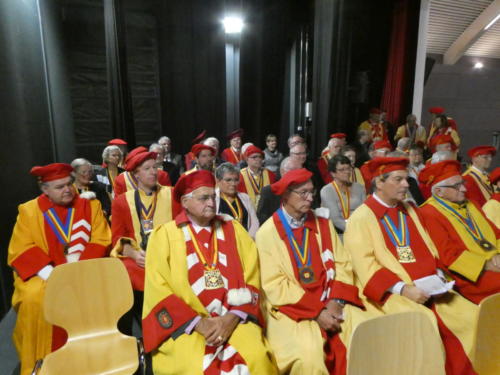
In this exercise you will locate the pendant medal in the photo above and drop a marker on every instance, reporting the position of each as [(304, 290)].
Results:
[(147, 226), (486, 245), (405, 254), (213, 279), (306, 275)]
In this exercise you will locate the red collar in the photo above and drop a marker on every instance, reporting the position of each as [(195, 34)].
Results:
[(380, 210), (182, 218), (45, 203)]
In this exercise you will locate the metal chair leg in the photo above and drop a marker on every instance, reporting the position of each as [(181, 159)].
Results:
[(37, 367), (142, 356)]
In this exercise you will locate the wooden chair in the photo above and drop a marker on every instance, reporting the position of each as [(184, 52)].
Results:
[(403, 344), (486, 352), (87, 298)]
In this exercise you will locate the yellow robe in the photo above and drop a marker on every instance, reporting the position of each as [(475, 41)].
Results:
[(33, 334), (166, 275), (254, 198), (357, 177), (492, 211), (365, 242), (298, 346)]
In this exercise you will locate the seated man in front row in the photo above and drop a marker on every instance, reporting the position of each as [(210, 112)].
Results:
[(201, 294), (396, 263), (311, 304), (468, 243), (56, 227)]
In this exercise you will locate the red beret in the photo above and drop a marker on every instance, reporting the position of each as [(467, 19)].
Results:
[(135, 151), (495, 175), (482, 150), (192, 181), (52, 172), (382, 165), (338, 135), (382, 144), (252, 149), (197, 148), (441, 140), (375, 111), (138, 159), (200, 137), (235, 133), (434, 173), (117, 142), (294, 177), (436, 110)]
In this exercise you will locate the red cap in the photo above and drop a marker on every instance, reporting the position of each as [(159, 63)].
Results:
[(117, 142), (482, 150), (495, 175), (436, 110), (138, 159), (52, 172), (235, 133), (338, 135), (197, 148), (434, 173), (382, 144), (200, 137), (252, 149), (134, 152), (192, 181), (294, 177), (441, 140), (382, 165), (375, 111)]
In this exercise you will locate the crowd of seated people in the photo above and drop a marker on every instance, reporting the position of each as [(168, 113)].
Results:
[(251, 260)]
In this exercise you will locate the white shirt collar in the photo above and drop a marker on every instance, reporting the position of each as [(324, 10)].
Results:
[(477, 169), (197, 228), (294, 223), (382, 202)]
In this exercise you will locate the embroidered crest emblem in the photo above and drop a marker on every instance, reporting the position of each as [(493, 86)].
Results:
[(164, 319)]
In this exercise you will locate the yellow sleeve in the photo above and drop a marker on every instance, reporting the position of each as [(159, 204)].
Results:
[(400, 133), (247, 251)]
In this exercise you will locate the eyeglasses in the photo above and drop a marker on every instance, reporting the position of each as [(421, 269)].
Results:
[(233, 180), (456, 186), (346, 169), (304, 193)]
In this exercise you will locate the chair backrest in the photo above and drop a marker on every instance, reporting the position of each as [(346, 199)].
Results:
[(87, 298), (486, 357), (404, 343)]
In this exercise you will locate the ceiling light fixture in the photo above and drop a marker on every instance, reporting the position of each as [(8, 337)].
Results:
[(478, 65), (492, 22), (232, 25)]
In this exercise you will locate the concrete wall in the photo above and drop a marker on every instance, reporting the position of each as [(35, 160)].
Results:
[(471, 96)]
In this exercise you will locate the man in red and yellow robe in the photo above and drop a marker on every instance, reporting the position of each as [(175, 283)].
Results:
[(232, 154), (477, 181), (311, 307), (55, 228), (393, 256), (475, 269), (492, 207), (377, 130), (201, 297), (335, 144)]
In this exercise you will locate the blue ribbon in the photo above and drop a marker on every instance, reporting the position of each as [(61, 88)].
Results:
[(397, 231), (292, 239), (64, 227)]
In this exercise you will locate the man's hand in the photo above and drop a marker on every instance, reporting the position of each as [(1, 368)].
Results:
[(493, 264), (139, 256), (219, 329), (415, 294), (327, 321), (336, 309)]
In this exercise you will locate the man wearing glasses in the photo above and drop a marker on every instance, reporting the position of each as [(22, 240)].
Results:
[(201, 297), (468, 243), (311, 305), (477, 181)]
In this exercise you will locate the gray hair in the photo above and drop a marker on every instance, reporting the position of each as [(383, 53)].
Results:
[(80, 162), (154, 146), (383, 177), (224, 168), (108, 150), (210, 140), (440, 184), (440, 156), (164, 138), (404, 143), (285, 165)]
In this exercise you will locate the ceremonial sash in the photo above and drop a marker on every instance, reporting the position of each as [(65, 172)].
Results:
[(130, 181), (224, 358), (74, 233), (253, 187), (237, 212), (345, 204), (471, 229), (484, 186), (237, 157), (399, 236)]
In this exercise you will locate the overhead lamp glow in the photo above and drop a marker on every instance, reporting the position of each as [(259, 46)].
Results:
[(478, 65), (232, 25), (492, 22)]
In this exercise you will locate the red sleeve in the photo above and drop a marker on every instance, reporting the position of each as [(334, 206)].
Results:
[(241, 186), (366, 177), (120, 186), (323, 170), (164, 319), (121, 222), (308, 307), (94, 250), (346, 292), (272, 176), (379, 284), (223, 155), (164, 178), (30, 262), (176, 206), (473, 191)]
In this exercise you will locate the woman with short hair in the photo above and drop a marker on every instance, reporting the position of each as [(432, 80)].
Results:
[(111, 158)]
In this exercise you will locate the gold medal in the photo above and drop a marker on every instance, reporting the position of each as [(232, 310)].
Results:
[(486, 245), (405, 254), (213, 279), (147, 225), (306, 275)]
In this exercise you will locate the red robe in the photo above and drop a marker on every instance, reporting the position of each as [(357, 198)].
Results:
[(230, 156), (124, 181), (323, 168), (474, 191)]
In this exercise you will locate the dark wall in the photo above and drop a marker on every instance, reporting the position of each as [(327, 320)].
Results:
[(471, 96)]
